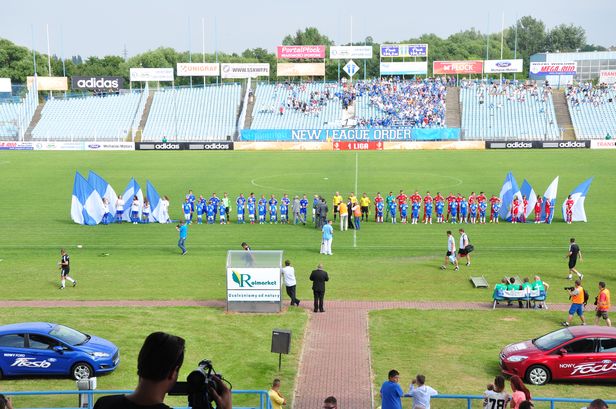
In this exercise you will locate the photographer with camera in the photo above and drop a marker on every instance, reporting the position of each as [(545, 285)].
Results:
[(576, 294), (5, 402), (158, 366)]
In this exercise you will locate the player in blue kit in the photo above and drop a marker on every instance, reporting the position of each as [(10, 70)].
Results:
[(186, 208), (222, 211), (251, 212), (428, 212), (303, 209), (191, 199), (210, 209), (261, 212), (495, 208), (315, 202), (454, 212), (392, 211), (463, 210), (415, 206), (483, 206), (251, 199), (440, 207), (215, 200), (240, 202), (404, 209), (200, 208), (273, 209), (473, 212), (284, 212), (379, 211)]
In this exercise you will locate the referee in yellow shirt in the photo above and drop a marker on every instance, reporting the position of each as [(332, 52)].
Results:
[(336, 201), (364, 203)]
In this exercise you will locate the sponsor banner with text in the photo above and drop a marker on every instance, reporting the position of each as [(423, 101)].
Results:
[(339, 52), (457, 67), (16, 146), (96, 83), (357, 146), (607, 76), (300, 51), (184, 146), (553, 68), (603, 144), (282, 146), (198, 69), (5, 85), (48, 83), (537, 144), (502, 66), (404, 68), (244, 70), (404, 50), (375, 134), (300, 69), (434, 145), (151, 74)]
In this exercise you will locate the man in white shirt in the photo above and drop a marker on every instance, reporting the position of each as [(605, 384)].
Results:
[(450, 256), (464, 250), (421, 393), (288, 273)]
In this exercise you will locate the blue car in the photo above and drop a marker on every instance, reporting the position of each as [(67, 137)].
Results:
[(43, 348)]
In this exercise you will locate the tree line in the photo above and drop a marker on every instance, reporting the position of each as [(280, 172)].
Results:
[(524, 38)]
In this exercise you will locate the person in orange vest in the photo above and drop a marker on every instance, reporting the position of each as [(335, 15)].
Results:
[(356, 215), (603, 304), (343, 210), (577, 303)]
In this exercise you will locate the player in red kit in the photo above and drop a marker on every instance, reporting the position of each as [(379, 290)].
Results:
[(481, 197), (524, 205), (439, 197), (450, 199), (515, 210), (415, 197), (538, 209), (427, 199), (548, 211), (401, 198), (569, 209)]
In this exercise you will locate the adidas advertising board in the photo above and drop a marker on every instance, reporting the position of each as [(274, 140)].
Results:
[(97, 82), (537, 144), (184, 146)]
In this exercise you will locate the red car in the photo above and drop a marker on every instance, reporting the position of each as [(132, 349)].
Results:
[(576, 353)]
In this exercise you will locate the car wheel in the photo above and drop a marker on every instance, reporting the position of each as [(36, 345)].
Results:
[(538, 375), (82, 370)]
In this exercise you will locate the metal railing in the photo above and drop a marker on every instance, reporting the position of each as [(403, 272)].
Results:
[(552, 401), (263, 397)]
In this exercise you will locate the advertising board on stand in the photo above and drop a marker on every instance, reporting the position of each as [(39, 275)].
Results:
[(339, 52), (357, 146), (300, 51), (198, 69), (359, 134), (607, 76), (5, 85), (184, 146), (16, 146), (96, 83), (457, 67), (537, 144), (404, 50), (603, 144), (151, 74), (48, 83), (253, 284), (553, 68), (404, 68), (244, 70), (503, 66), (306, 69), (84, 146)]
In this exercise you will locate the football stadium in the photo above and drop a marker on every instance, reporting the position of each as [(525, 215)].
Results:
[(412, 223)]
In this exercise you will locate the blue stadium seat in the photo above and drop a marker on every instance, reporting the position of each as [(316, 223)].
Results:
[(593, 111)]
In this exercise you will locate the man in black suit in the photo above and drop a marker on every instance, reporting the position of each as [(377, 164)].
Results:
[(318, 278)]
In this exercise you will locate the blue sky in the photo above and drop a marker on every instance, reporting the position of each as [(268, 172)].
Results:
[(105, 27)]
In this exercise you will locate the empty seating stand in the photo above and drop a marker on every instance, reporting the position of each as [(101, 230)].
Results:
[(594, 119)]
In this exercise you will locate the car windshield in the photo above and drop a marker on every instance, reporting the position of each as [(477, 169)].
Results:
[(68, 335), (553, 339)]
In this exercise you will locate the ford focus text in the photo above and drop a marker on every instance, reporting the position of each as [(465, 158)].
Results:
[(573, 353), (42, 348)]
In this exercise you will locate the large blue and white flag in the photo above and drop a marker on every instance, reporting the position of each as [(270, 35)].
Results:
[(104, 189), (86, 205), (531, 197), (508, 192), (550, 200), (132, 189), (579, 196), (156, 208)]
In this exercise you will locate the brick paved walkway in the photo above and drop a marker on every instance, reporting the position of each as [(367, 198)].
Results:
[(335, 357)]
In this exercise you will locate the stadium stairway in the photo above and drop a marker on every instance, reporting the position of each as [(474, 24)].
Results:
[(144, 116), (35, 120), (249, 108), (563, 116), (453, 113)]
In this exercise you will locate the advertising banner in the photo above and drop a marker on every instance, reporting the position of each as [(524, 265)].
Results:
[(502, 66), (300, 69), (553, 68), (49, 83), (184, 146), (537, 144), (300, 51), (325, 135), (92, 83), (338, 52), (603, 144), (404, 50), (15, 146), (404, 68), (457, 67), (244, 70), (434, 145), (5, 85), (357, 146), (151, 74), (253, 284), (282, 146), (198, 69), (607, 76)]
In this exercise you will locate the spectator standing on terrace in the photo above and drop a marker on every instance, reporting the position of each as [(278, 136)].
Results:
[(278, 401), (520, 392), (290, 282), (421, 393), (391, 391), (495, 396)]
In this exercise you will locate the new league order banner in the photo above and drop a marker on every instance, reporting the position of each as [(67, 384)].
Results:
[(457, 67), (374, 134), (300, 51)]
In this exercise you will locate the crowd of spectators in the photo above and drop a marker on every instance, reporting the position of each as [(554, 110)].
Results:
[(513, 91), (300, 99), (587, 93)]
